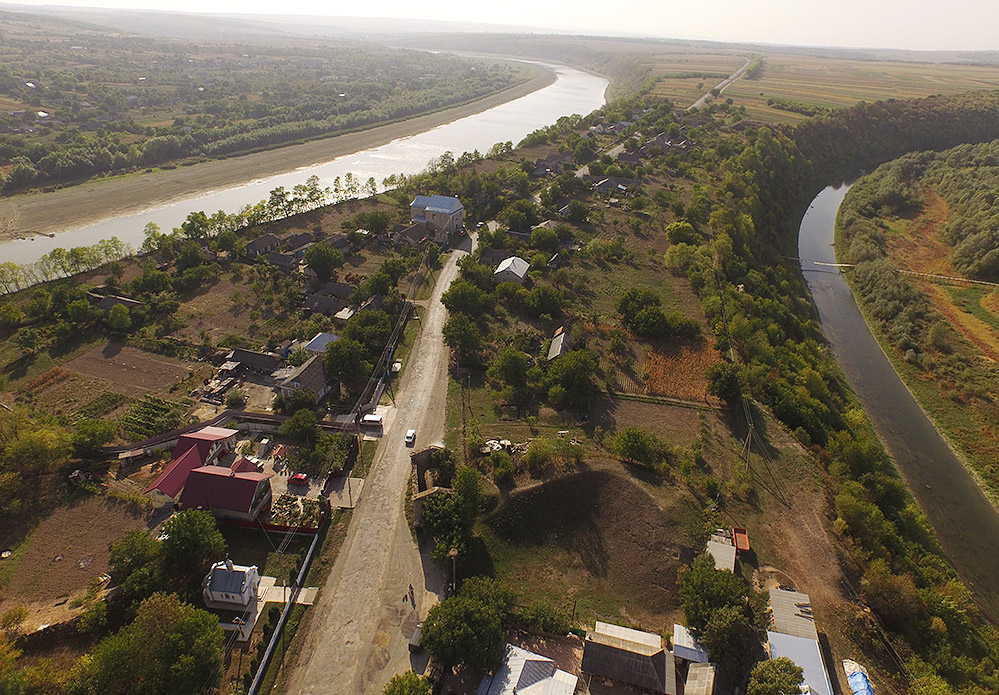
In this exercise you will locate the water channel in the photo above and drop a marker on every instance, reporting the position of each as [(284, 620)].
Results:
[(965, 522), (572, 92)]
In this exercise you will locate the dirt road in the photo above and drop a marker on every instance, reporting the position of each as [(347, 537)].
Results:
[(359, 633), (720, 86)]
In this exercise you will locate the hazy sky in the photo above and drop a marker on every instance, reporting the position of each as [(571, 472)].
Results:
[(917, 24)]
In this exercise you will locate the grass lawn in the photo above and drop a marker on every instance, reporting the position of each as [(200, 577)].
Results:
[(248, 546)]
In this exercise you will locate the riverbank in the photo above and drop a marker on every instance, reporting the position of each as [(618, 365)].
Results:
[(76, 206)]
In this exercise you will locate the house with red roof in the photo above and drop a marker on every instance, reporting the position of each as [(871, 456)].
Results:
[(226, 492), (193, 450)]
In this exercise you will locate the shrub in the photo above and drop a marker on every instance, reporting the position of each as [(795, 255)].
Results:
[(544, 617)]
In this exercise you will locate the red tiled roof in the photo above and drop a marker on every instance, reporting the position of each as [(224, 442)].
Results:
[(190, 452), (218, 487), (171, 480), (244, 465)]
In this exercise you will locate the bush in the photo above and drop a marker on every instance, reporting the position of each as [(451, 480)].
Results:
[(638, 446), (545, 450), (545, 617), (502, 465)]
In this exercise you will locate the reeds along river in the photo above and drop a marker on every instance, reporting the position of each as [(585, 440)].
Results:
[(965, 522), (572, 92)]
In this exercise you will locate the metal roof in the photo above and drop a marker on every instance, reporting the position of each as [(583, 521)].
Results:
[(700, 680), (791, 613), (804, 652), (686, 646), (221, 579), (724, 555), (516, 265), (629, 656), (437, 203), (526, 673), (320, 341)]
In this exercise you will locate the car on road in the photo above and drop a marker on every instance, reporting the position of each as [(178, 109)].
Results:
[(410, 437), (298, 479)]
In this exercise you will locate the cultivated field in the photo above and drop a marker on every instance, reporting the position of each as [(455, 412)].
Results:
[(677, 369), (131, 371), (835, 83), (65, 553), (684, 78)]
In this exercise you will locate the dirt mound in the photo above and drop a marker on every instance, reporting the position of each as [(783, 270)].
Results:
[(609, 528)]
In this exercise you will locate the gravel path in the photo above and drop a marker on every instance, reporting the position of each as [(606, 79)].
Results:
[(359, 632)]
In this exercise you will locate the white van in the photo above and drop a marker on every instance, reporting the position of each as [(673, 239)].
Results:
[(371, 420)]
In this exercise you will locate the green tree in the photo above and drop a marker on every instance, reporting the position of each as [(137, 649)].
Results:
[(465, 298), (170, 648), (726, 636), (408, 683), (322, 259), (119, 320), (570, 380), (462, 335), (510, 366), (778, 676), (725, 382), (468, 491), (633, 301), (345, 359), (136, 563), (192, 540), (301, 427), (638, 446), (460, 630), (704, 590), (91, 435), (578, 210)]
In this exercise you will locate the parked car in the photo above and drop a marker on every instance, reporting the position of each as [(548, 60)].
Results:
[(410, 437), (299, 479)]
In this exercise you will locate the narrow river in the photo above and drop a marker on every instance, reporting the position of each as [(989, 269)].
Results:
[(965, 522), (572, 92)]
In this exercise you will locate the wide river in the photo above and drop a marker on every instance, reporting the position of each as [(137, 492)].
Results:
[(965, 522), (572, 92)]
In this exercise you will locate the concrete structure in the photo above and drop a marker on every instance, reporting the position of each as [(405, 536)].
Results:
[(513, 269), (526, 673), (442, 215), (630, 657)]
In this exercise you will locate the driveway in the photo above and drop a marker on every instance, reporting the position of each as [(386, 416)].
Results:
[(361, 622)]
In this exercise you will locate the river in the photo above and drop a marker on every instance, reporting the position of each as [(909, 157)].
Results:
[(572, 92), (965, 522)]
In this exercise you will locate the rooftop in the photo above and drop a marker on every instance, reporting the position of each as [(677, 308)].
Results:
[(724, 555), (515, 264), (791, 613), (320, 341), (804, 652), (228, 579), (526, 673), (437, 203)]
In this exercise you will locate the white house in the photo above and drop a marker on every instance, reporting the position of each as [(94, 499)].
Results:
[(513, 269), (442, 215), (231, 586), (526, 673)]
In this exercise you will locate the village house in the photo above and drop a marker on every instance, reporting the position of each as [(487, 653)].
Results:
[(263, 363), (552, 165), (106, 302), (513, 269), (319, 342), (262, 244), (442, 215), (615, 185), (629, 657), (722, 549), (792, 634), (411, 235), (311, 374), (228, 493), (493, 257), (525, 673), (231, 586), (287, 262), (193, 450)]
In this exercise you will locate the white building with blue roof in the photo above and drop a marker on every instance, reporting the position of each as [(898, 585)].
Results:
[(442, 215)]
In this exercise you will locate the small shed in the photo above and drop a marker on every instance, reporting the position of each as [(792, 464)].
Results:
[(700, 680), (686, 646), (723, 554)]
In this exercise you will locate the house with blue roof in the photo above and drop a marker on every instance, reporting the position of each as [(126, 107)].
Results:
[(442, 215)]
